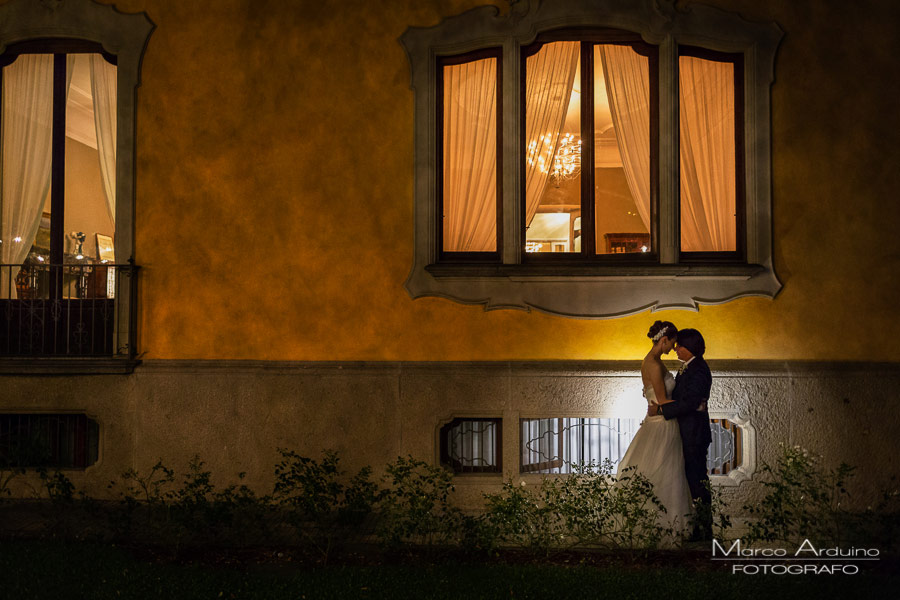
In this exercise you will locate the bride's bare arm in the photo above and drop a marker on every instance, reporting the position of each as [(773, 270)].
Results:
[(656, 374)]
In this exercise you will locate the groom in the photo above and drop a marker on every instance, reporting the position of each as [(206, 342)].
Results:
[(688, 405)]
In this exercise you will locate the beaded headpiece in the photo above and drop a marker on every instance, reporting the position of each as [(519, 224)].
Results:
[(660, 334)]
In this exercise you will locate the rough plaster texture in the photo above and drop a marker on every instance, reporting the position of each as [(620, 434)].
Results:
[(235, 415), (274, 193)]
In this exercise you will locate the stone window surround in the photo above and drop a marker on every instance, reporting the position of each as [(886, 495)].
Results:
[(601, 290)]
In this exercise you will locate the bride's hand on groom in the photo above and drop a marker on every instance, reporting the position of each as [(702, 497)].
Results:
[(702, 407)]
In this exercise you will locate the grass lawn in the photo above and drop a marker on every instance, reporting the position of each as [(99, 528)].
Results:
[(53, 569)]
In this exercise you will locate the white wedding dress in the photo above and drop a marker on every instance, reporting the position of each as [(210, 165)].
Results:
[(656, 453)]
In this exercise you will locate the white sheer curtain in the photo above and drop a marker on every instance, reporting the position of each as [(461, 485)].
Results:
[(103, 89), (707, 155), (470, 157), (550, 75), (26, 154), (627, 77)]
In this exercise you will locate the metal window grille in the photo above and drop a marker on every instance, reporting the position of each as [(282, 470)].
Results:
[(554, 445), (63, 441), (725, 449), (472, 445)]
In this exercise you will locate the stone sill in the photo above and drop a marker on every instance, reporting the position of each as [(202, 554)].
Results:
[(572, 271), (36, 365)]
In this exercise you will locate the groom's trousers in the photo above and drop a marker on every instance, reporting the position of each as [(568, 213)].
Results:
[(695, 471)]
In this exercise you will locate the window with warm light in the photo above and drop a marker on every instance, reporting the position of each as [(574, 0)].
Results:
[(58, 168), (592, 168), (593, 102), (68, 77), (590, 103)]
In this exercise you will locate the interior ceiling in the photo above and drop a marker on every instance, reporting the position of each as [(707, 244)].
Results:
[(80, 104), (605, 155)]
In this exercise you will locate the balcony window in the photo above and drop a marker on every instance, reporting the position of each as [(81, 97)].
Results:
[(67, 97)]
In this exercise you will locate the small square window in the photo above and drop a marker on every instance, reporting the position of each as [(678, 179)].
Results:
[(472, 445)]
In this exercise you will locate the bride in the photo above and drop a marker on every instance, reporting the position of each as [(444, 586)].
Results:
[(655, 451)]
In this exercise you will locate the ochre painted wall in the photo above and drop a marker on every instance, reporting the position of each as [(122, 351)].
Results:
[(274, 212)]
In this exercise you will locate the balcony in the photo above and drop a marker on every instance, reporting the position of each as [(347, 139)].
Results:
[(73, 317)]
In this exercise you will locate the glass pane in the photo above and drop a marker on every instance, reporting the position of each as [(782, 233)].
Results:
[(470, 157), (553, 149), (621, 149), (26, 155), (708, 193), (90, 175)]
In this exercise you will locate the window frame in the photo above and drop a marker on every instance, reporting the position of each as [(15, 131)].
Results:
[(445, 61), (740, 207), (587, 39), (597, 288), (60, 49), (49, 26)]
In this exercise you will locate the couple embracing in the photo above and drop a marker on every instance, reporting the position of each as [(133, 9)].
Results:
[(671, 445)]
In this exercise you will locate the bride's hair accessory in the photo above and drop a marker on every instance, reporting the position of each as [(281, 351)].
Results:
[(661, 329)]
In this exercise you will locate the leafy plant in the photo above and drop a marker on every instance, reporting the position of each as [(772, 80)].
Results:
[(721, 519), (589, 507), (803, 500), (58, 487), (416, 507), (522, 517), (323, 507), (146, 493), (584, 500), (635, 512)]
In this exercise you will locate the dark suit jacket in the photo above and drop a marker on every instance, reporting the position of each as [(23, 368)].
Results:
[(691, 388)]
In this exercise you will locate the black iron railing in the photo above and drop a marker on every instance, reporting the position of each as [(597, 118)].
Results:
[(78, 309)]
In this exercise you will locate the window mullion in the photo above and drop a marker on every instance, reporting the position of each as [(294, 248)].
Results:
[(668, 152), (58, 174), (513, 123), (588, 219)]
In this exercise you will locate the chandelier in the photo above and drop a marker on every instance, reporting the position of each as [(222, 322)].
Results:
[(567, 161)]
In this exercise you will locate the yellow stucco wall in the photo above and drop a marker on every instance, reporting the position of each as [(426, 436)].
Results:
[(274, 215)]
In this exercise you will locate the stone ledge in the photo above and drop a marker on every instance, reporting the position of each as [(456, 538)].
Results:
[(601, 368), (67, 366)]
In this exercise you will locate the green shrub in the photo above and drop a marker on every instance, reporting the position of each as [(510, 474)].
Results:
[(589, 507), (803, 500), (520, 516), (416, 507), (323, 507)]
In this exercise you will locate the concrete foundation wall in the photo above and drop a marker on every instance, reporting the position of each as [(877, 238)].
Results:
[(235, 415)]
